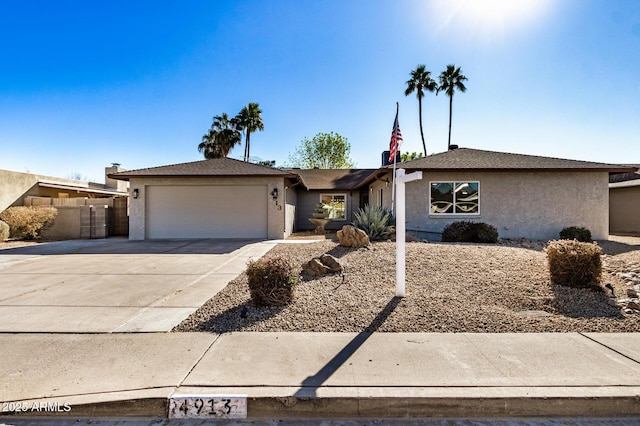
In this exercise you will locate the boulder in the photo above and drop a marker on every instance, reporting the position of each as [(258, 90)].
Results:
[(315, 268), (350, 236), (331, 263)]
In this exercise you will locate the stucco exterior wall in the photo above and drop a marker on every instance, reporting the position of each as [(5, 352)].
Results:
[(535, 205), (275, 212), (624, 210), (291, 203)]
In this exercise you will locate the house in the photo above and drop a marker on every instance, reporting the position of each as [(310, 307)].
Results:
[(624, 203), (521, 195), (85, 209)]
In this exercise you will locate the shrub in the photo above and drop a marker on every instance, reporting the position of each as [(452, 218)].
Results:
[(574, 264), (374, 221), (576, 233), (28, 222), (4, 231), (271, 281), (470, 232)]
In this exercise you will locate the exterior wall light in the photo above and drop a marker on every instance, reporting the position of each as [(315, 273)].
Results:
[(274, 194), (135, 193)]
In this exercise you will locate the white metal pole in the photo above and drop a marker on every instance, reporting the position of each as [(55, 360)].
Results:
[(400, 235)]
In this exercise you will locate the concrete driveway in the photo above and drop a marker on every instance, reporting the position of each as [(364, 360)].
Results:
[(115, 285)]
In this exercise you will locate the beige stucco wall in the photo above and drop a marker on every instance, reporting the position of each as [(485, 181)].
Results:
[(275, 213), (624, 210), (535, 205)]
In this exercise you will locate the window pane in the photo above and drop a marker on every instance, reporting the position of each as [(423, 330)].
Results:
[(467, 197), (334, 205), (442, 197)]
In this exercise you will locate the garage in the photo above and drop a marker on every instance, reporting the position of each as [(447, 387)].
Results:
[(206, 211)]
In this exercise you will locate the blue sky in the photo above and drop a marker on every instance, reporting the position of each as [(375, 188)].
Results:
[(84, 84)]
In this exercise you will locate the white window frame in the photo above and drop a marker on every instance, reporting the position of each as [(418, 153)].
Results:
[(345, 204), (455, 183)]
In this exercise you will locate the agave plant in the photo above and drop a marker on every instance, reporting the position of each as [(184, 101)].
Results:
[(374, 221)]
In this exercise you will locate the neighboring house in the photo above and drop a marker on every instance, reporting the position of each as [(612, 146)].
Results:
[(77, 202), (16, 186), (521, 195), (624, 203)]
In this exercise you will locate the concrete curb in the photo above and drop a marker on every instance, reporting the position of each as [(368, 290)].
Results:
[(367, 403)]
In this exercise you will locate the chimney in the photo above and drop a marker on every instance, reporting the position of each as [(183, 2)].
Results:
[(386, 160), (118, 185)]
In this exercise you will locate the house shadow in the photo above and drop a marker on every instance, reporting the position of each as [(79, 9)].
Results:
[(122, 245), (613, 248), (593, 302), (311, 384)]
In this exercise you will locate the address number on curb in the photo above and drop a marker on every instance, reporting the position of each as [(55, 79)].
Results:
[(208, 407)]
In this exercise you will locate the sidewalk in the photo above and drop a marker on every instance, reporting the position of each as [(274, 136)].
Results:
[(325, 375)]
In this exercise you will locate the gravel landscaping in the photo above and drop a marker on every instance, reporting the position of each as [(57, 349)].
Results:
[(450, 288)]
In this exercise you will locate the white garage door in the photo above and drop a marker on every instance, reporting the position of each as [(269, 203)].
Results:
[(206, 211)]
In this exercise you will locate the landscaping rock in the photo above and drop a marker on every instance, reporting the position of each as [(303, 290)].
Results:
[(632, 293), (331, 262), (315, 268), (350, 236)]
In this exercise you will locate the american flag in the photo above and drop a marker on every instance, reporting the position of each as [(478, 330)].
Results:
[(396, 139)]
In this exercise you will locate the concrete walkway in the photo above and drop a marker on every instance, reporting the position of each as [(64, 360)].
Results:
[(115, 285), (326, 375)]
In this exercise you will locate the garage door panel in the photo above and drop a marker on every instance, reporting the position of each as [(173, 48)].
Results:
[(206, 211)]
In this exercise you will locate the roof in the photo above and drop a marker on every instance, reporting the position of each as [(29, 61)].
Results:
[(622, 177), (87, 189), (476, 159), (625, 184), (333, 179), (213, 167)]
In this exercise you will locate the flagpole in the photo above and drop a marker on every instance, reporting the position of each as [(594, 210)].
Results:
[(393, 177)]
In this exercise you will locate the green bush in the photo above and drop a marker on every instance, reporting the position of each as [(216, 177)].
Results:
[(272, 281), (576, 233), (574, 264), (470, 232), (4, 231), (28, 222), (374, 221)]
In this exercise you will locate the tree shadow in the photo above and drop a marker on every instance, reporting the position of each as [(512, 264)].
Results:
[(310, 385), (591, 302)]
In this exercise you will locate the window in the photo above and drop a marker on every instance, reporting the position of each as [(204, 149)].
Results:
[(454, 198), (335, 205), (380, 192)]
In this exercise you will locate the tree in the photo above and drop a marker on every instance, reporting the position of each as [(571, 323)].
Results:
[(419, 82), (249, 120), (450, 80), (221, 137), (324, 151), (410, 156)]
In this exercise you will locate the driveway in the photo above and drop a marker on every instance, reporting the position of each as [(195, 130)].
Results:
[(115, 285)]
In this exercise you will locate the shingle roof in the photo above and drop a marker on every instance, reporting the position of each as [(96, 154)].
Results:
[(476, 159), (212, 167), (333, 179)]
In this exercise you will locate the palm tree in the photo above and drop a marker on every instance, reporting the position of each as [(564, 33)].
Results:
[(221, 137), (249, 120), (419, 82), (450, 80)]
